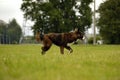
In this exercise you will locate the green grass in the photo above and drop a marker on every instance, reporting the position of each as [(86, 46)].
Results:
[(87, 62)]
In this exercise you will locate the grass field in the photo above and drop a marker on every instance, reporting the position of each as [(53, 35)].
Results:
[(87, 62)]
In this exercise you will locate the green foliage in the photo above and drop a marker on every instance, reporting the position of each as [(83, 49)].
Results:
[(10, 33), (29, 40), (14, 31), (109, 21), (58, 15), (90, 40), (3, 27), (24, 62)]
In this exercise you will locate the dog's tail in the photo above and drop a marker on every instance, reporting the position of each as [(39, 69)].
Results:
[(39, 36)]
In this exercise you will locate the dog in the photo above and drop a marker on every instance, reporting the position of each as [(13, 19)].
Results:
[(59, 39)]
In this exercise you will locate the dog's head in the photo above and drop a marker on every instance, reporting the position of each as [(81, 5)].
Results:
[(79, 34)]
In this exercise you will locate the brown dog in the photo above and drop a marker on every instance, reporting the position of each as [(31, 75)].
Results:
[(59, 39)]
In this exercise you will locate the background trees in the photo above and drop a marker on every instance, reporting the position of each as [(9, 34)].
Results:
[(3, 27), (10, 33), (14, 31), (109, 21), (58, 15)]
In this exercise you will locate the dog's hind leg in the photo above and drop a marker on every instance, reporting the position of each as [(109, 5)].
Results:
[(69, 48), (61, 49)]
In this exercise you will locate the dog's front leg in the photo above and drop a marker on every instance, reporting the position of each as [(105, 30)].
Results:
[(69, 48), (62, 49), (46, 45)]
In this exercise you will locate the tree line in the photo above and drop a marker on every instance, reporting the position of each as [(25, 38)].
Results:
[(109, 21), (10, 33), (58, 15), (65, 15)]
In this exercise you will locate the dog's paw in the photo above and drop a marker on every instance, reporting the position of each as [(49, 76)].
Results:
[(43, 52), (70, 51)]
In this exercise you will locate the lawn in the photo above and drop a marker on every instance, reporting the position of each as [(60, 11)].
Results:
[(87, 62)]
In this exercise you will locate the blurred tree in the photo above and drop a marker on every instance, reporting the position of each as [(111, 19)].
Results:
[(58, 15), (3, 29), (109, 21), (14, 31), (10, 33)]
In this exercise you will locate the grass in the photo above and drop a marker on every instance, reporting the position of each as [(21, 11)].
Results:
[(87, 62)]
